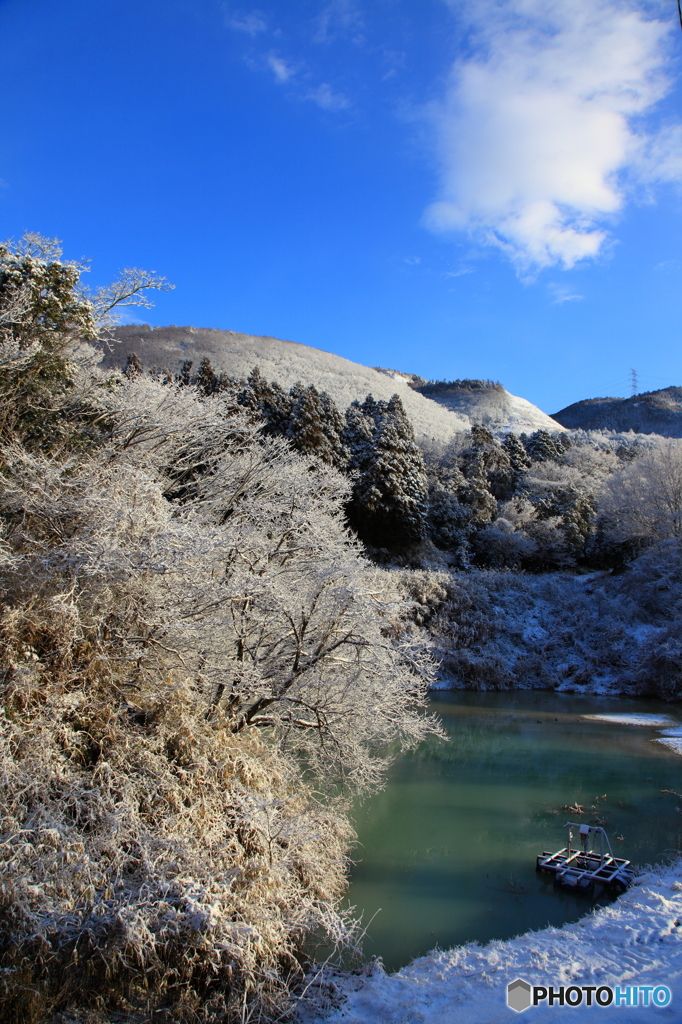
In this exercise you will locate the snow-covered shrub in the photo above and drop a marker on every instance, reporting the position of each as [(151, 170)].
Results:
[(502, 544), (642, 501), (659, 673), (185, 684), (614, 632), (426, 591)]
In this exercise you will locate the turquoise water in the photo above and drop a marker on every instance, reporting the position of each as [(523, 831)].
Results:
[(447, 850)]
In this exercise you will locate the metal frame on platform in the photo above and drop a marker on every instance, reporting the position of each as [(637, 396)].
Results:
[(580, 869)]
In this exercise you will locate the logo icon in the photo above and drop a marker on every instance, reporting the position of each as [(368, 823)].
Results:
[(518, 995)]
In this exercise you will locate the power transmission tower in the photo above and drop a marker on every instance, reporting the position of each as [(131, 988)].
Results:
[(634, 384)]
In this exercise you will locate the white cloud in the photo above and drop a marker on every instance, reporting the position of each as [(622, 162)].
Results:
[(539, 133), (339, 18), (561, 294), (326, 98), (280, 68), (252, 23), (669, 266)]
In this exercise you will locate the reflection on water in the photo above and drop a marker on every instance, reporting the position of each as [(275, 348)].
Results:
[(447, 850)]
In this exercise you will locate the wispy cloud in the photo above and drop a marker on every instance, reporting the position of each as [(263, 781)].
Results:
[(339, 18), (326, 98), (560, 294), (280, 68), (669, 266), (539, 133), (412, 261), (251, 22)]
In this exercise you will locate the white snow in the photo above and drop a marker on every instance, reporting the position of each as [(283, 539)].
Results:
[(634, 719), (672, 738), (497, 409), (288, 362), (636, 941), (436, 417), (672, 742)]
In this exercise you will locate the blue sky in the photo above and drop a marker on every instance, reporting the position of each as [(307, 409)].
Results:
[(485, 188)]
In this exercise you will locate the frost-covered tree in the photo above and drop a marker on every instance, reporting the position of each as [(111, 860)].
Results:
[(541, 445), (449, 521), (315, 426), (185, 687), (642, 501), (388, 505), (45, 313), (516, 453), (486, 464)]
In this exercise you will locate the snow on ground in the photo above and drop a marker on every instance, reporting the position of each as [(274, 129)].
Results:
[(672, 738), (675, 743), (634, 719), (635, 941)]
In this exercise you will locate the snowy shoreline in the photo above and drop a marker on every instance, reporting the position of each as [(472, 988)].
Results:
[(635, 941)]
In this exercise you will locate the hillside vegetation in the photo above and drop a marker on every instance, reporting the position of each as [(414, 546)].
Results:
[(653, 412), (506, 527), (286, 362), (198, 669), (434, 415)]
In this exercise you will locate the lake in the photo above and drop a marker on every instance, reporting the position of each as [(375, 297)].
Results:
[(447, 850)]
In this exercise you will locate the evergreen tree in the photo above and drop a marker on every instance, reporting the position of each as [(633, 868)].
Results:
[(269, 401), (487, 468), (541, 446), (184, 377), (133, 367), (315, 426), (516, 453), (388, 506), (206, 380), (449, 521)]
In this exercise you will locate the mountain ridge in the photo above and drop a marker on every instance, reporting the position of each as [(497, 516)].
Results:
[(651, 412), (434, 416)]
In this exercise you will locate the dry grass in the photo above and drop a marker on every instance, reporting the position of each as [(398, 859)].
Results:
[(150, 859)]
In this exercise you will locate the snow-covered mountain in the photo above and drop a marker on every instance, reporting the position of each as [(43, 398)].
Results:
[(436, 416), (491, 406)]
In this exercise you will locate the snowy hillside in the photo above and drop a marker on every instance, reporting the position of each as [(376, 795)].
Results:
[(495, 408), (285, 362), (438, 415)]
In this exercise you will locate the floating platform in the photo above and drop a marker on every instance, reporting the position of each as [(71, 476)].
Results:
[(580, 870)]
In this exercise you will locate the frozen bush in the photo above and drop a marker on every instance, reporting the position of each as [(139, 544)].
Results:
[(188, 687), (643, 500)]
